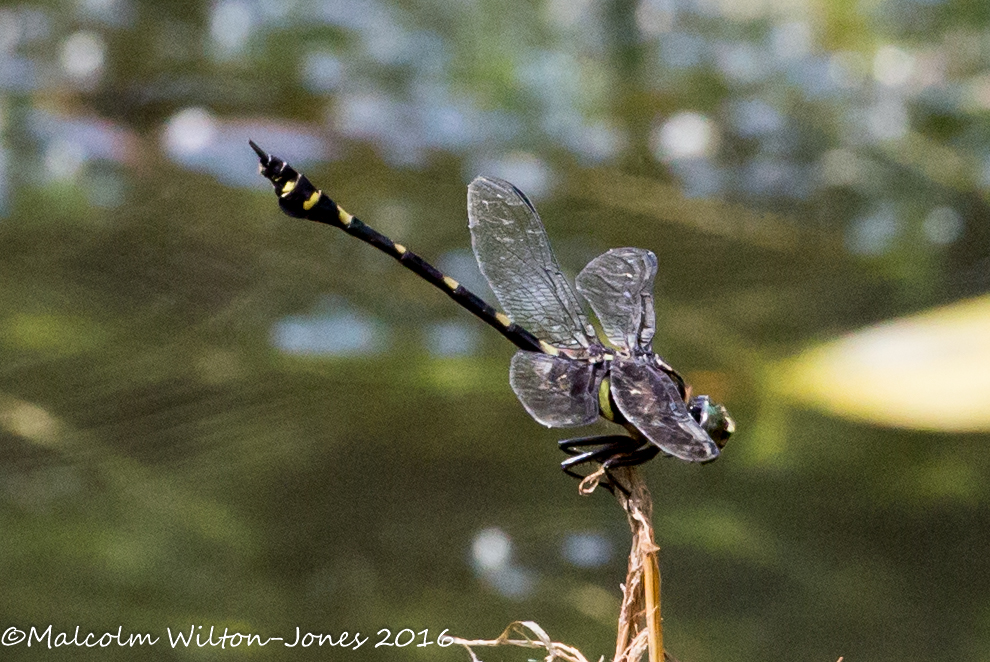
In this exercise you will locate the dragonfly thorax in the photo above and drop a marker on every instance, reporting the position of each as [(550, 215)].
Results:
[(607, 406)]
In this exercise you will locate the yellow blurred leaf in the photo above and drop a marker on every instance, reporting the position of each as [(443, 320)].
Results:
[(930, 371)]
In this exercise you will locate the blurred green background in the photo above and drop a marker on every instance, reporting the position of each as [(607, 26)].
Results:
[(211, 414)]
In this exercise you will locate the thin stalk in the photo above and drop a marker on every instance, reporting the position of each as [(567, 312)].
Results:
[(640, 623)]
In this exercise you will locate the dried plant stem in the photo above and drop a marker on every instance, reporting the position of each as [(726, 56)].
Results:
[(651, 590), (522, 629), (639, 618), (640, 625)]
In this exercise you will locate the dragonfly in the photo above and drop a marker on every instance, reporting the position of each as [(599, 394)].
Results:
[(563, 373)]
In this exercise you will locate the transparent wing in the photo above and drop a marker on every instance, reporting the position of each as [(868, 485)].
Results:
[(649, 400), (514, 254), (619, 286), (557, 392)]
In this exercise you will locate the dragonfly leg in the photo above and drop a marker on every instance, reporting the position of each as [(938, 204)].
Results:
[(638, 456), (569, 445), (628, 459), (597, 455), (609, 446)]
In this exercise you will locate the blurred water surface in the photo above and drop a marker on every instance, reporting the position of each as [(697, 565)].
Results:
[(211, 414)]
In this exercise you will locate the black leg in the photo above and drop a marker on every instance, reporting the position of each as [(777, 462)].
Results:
[(611, 451), (638, 456), (608, 446), (597, 455), (630, 459), (568, 445), (614, 482)]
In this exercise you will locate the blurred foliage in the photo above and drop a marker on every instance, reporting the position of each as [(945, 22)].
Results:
[(890, 373)]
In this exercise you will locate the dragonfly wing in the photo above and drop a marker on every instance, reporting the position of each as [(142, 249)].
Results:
[(619, 286), (556, 391), (514, 254), (650, 400)]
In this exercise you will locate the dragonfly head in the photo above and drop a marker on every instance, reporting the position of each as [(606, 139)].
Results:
[(713, 419)]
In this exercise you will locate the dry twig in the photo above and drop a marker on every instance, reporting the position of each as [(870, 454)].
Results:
[(555, 650), (640, 627)]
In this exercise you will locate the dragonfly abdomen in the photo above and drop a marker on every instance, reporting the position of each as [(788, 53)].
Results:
[(298, 197)]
